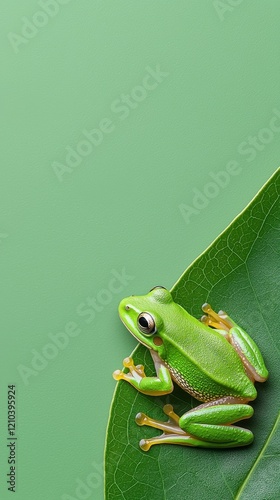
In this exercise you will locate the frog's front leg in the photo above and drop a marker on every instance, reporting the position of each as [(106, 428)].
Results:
[(208, 426), (244, 345), (153, 386)]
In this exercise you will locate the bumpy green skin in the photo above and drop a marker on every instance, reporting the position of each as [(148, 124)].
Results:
[(203, 362)]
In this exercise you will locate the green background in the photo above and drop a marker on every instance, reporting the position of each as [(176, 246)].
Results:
[(63, 237)]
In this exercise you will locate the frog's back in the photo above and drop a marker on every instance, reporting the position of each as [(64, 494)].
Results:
[(204, 364)]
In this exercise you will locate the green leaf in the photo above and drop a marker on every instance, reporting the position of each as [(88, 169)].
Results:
[(239, 273)]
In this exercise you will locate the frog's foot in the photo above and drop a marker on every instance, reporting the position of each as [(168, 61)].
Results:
[(219, 321), (172, 432), (135, 372), (207, 426), (171, 426)]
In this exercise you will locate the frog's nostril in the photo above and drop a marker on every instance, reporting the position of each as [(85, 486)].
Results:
[(127, 308)]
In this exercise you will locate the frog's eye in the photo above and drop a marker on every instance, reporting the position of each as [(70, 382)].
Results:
[(146, 323), (158, 286)]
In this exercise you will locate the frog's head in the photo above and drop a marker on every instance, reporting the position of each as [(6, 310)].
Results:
[(144, 316)]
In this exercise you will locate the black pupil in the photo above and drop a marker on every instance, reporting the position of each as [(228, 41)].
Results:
[(143, 322)]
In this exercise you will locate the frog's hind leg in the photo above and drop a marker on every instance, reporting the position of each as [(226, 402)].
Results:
[(249, 354), (244, 345), (207, 426), (211, 423)]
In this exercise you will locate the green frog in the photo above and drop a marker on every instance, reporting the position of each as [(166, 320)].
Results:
[(213, 359)]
